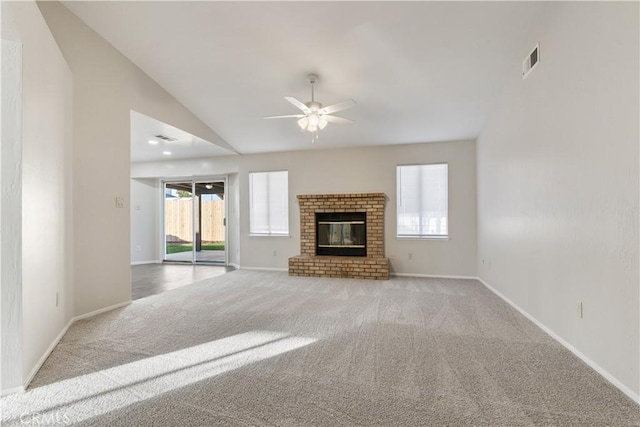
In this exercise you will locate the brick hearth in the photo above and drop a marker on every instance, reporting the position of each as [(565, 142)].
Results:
[(373, 266)]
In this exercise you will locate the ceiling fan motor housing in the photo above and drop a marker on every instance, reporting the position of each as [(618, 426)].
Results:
[(314, 106)]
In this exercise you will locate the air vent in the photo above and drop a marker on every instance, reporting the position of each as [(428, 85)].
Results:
[(166, 138), (531, 61)]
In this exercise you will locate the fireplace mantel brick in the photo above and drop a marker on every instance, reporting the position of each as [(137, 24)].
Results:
[(373, 266)]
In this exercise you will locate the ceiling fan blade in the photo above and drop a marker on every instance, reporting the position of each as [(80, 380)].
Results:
[(338, 107), (338, 120), (297, 116), (299, 104)]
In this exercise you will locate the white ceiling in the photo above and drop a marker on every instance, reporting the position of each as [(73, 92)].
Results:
[(419, 71), (186, 146)]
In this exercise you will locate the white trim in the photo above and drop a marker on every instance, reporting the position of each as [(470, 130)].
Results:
[(46, 354), (234, 265), (13, 390), (425, 237), (263, 268), (433, 276), (55, 342), (100, 311), (613, 380), (155, 261)]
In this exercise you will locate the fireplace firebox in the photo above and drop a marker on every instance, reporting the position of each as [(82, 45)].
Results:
[(341, 233)]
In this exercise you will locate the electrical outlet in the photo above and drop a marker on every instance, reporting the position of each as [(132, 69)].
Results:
[(579, 309), (119, 202), (410, 256)]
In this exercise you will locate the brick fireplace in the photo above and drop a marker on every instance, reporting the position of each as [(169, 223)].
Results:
[(340, 219)]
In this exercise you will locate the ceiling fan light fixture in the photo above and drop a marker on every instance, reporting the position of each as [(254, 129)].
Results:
[(303, 123), (322, 123), (314, 116), (313, 119)]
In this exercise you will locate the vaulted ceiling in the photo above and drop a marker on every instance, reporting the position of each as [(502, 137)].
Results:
[(419, 71)]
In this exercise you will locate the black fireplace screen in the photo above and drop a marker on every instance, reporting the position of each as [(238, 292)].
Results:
[(342, 234)]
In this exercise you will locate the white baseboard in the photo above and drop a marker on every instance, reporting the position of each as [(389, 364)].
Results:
[(433, 276), (392, 274), (263, 268), (100, 311), (55, 342), (234, 265), (613, 380), (12, 390), (155, 261), (46, 354)]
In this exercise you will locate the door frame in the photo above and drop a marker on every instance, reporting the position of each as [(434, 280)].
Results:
[(213, 178), (163, 232)]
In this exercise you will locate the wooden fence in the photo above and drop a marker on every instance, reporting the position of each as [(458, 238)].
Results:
[(178, 220)]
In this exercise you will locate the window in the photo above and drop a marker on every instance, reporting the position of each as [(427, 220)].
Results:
[(269, 203), (422, 193)]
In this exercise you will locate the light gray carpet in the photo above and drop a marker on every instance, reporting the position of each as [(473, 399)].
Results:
[(261, 348)]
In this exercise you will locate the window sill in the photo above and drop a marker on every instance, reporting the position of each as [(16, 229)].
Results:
[(423, 237), (269, 235)]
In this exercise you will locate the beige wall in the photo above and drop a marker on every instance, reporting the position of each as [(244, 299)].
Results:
[(145, 217), (11, 216), (46, 203), (558, 184), (357, 170), (107, 88)]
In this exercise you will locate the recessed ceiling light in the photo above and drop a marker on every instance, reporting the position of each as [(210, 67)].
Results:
[(153, 142), (209, 186), (166, 153)]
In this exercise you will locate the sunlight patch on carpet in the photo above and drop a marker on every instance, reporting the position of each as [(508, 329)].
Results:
[(81, 398)]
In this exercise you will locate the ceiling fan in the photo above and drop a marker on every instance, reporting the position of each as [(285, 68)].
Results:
[(315, 117)]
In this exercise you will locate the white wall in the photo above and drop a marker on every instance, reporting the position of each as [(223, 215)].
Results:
[(558, 184), (46, 232), (145, 224), (357, 170), (11, 216), (107, 88)]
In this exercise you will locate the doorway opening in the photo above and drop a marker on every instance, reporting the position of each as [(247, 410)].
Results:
[(195, 221)]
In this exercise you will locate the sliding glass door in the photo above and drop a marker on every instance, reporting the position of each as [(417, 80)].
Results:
[(210, 222), (194, 221), (178, 221)]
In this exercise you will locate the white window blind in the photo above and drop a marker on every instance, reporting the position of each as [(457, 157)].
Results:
[(269, 203), (423, 199)]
